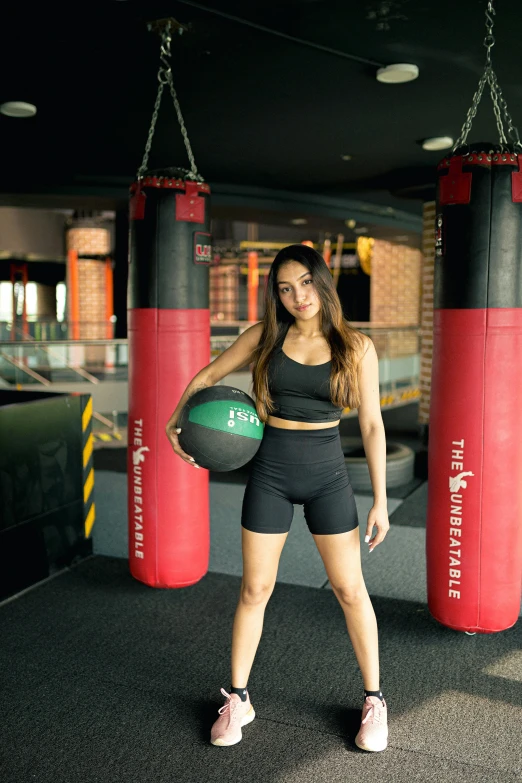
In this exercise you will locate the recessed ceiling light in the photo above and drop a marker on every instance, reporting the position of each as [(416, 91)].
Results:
[(299, 222), (18, 109), (351, 223), (346, 157), (437, 143), (397, 73)]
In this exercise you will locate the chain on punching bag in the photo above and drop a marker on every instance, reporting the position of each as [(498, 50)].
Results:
[(169, 342), (474, 522)]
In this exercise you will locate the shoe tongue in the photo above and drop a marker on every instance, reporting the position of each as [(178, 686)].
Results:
[(374, 700)]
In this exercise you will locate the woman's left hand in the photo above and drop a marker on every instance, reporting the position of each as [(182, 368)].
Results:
[(378, 517)]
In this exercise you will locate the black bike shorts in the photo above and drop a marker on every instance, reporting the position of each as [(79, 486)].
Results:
[(306, 467)]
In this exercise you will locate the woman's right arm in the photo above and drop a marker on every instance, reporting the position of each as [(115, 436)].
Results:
[(235, 357)]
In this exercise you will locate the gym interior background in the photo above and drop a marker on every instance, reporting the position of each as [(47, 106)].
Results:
[(299, 142)]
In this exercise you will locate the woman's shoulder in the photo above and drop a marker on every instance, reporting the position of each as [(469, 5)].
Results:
[(254, 333)]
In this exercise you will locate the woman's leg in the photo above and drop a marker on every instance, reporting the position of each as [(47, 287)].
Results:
[(341, 555), (261, 553)]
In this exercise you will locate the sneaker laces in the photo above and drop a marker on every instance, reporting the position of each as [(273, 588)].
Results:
[(230, 704), (373, 714)]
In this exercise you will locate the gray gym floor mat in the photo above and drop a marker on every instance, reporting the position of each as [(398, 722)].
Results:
[(110, 534), (412, 512), (300, 561), (397, 567)]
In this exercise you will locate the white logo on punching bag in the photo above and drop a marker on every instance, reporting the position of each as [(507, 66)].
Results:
[(138, 455), (203, 251), (202, 247), (456, 484)]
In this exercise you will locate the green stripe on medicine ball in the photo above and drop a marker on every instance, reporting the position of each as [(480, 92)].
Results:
[(228, 417)]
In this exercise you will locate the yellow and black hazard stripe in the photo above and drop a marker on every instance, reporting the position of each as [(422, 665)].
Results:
[(89, 511), (106, 437)]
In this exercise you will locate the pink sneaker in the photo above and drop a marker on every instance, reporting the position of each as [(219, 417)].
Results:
[(232, 715), (373, 734)]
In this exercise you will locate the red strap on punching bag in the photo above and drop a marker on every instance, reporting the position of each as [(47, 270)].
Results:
[(516, 183), (137, 204), (455, 186), (189, 206)]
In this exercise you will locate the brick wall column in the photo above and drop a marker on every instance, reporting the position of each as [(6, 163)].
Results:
[(224, 292), (395, 295), (428, 268), (93, 240)]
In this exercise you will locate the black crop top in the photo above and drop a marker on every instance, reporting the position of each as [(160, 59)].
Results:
[(301, 392)]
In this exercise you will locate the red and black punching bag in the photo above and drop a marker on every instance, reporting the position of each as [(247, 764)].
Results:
[(169, 342), (474, 522)]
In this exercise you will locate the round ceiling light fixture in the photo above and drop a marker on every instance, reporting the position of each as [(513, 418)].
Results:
[(299, 221), (397, 73), (18, 109), (437, 143)]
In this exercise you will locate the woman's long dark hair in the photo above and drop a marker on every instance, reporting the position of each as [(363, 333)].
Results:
[(345, 342)]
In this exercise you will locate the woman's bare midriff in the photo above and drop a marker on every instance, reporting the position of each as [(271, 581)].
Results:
[(287, 424)]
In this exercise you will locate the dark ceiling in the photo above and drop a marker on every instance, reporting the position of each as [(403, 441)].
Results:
[(260, 110)]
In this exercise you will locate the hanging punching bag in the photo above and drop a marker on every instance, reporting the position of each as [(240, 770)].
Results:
[(474, 522), (169, 342)]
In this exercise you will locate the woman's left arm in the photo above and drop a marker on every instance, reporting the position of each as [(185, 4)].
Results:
[(374, 442)]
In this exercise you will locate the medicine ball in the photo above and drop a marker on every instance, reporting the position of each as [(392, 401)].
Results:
[(220, 428)]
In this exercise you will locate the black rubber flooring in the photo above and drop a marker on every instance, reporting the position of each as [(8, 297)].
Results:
[(412, 513), (106, 680)]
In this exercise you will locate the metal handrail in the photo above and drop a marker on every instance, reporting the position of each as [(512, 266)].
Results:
[(108, 423), (39, 343), (44, 347), (21, 366)]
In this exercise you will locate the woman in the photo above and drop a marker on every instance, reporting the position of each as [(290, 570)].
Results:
[(307, 365)]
